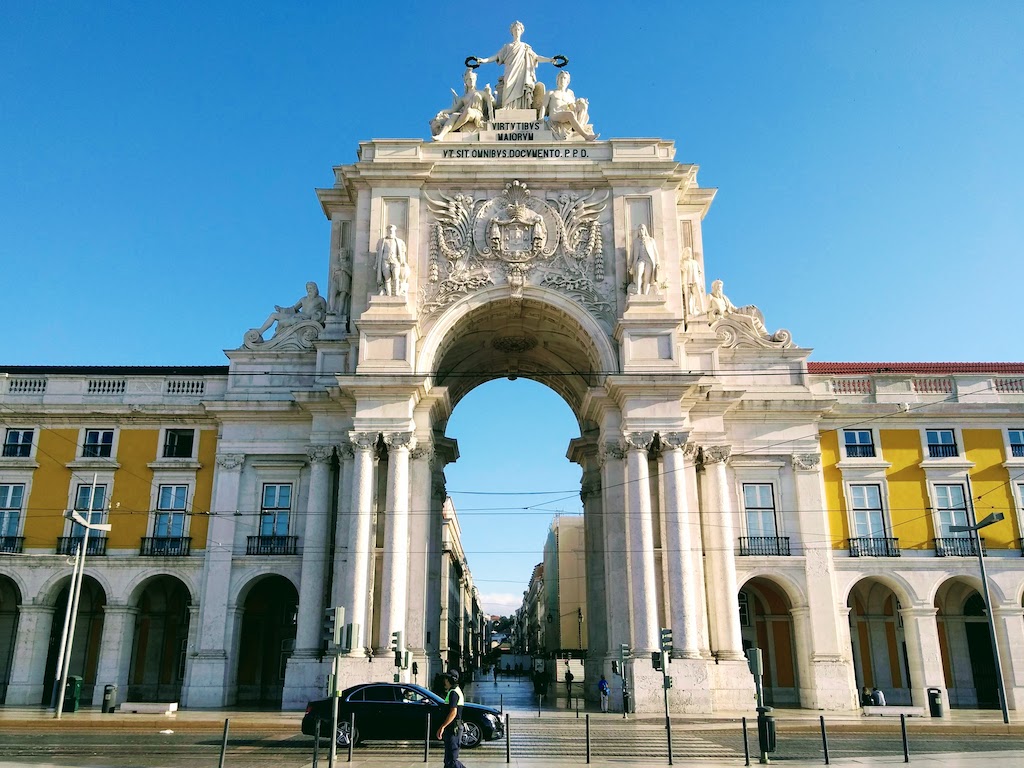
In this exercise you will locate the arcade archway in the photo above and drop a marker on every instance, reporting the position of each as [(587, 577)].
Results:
[(161, 632), (966, 643), (85, 649), (267, 640), (766, 623), (879, 646), (10, 605)]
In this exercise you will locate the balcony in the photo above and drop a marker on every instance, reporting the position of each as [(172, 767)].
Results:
[(272, 545), (865, 546), (68, 545), (958, 546), (166, 546), (11, 545), (942, 451), (860, 451), (765, 546), (1017, 450)]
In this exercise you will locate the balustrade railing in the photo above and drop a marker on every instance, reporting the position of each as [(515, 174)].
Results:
[(11, 545), (166, 546), (860, 451), (68, 545), (874, 546), (958, 546), (942, 451), (770, 546), (272, 545)]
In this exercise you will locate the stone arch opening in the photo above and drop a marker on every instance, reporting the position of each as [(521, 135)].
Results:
[(266, 640), (157, 667), (965, 642), (10, 608), (766, 622), (88, 636), (878, 641)]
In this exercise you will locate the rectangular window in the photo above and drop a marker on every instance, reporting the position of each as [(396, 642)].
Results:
[(18, 443), (83, 506), (868, 517), (277, 503), (98, 443), (941, 443), (178, 443), (11, 499), (759, 506), (170, 511), (952, 509), (1016, 443), (859, 444)]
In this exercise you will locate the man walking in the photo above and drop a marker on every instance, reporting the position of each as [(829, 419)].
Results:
[(604, 690), (450, 731)]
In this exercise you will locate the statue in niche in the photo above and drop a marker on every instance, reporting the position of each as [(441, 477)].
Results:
[(469, 111), (643, 267), (518, 88), (297, 325), (566, 114), (392, 265), (693, 282), (341, 278)]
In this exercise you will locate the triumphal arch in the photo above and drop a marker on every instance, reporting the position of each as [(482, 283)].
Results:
[(517, 241)]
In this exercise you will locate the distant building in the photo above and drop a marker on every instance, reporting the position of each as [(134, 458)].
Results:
[(565, 587)]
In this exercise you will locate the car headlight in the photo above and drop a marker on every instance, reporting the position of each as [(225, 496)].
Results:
[(491, 719)]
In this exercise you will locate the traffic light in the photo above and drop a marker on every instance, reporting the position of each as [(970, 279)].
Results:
[(666, 640), (334, 621), (656, 660), (396, 641), (624, 653), (615, 667)]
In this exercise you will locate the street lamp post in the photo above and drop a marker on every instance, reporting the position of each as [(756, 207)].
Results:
[(995, 517), (75, 592)]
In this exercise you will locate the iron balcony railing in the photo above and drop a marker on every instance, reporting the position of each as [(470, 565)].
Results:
[(958, 546), (24, 450), (11, 545), (942, 451), (860, 451), (68, 545), (873, 546), (771, 546), (166, 546), (272, 545), (1016, 450)]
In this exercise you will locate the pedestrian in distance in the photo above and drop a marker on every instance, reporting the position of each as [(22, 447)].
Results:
[(866, 699), (878, 697), (450, 731), (495, 672), (604, 689), (568, 683)]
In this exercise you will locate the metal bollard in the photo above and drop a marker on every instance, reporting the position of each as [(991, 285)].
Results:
[(426, 741), (224, 743), (501, 703), (824, 739), (588, 738), (351, 734), (508, 743), (746, 746), (316, 743), (906, 746), (577, 707), (538, 705)]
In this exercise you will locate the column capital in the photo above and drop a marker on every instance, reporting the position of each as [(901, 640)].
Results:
[(363, 441), (806, 462), (345, 451), (398, 440), (230, 462), (675, 441), (319, 454), (590, 489), (612, 450), (919, 612), (638, 441), (715, 454), (422, 450)]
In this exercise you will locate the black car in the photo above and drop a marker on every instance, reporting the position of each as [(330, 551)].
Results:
[(398, 712)]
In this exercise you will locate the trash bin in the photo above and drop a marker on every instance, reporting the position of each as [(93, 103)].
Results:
[(109, 698), (765, 729), (935, 702), (73, 694)]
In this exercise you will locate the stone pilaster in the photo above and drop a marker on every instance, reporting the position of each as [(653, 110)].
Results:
[(115, 650), (1009, 624), (643, 587), (314, 552), (719, 562), (682, 586), (420, 481), (28, 662), (613, 485), (357, 601), (395, 572), (924, 657)]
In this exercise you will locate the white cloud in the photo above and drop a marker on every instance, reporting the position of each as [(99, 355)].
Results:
[(500, 603)]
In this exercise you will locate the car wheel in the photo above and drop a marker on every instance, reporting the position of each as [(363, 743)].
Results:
[(343, 734), (471, 735)]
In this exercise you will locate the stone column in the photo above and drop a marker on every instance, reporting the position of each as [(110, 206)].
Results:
[(1009, 624), (210, 669), (643, 587), (341, 589), (314, 553), (395, 572), (420, 481), (924, 657), (593, 546), (719, 560), (832, 683), (357, 601), (115, 650), (616, 550), (28, 662), (682, 583)]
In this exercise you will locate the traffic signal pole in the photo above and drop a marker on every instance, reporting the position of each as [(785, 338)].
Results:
[(666, 682)]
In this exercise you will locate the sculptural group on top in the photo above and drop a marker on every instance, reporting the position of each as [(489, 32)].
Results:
[(517, 89)]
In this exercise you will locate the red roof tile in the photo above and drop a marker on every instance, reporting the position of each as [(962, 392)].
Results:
[(933, 369)]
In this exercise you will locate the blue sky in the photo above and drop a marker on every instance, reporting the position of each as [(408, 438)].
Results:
[(159, 164)]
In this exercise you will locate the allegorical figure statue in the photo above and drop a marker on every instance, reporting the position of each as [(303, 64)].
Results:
[(310, 307), (565, 112), (341, 276), (469, 111), (718, 303), (643, 268), (392, 265), (520, 75), (693, 282)]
